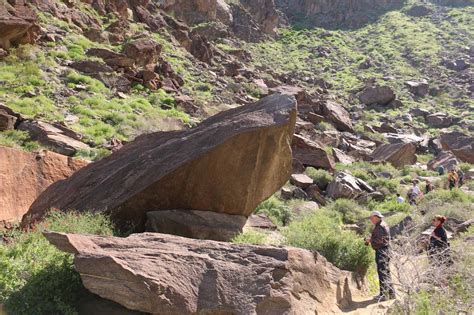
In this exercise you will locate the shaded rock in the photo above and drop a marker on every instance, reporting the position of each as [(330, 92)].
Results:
[(297, 166), (402, 227), (18, 24), (314, 193), (311, 154), (112, 58), (305, 207), (419, 11), (301, 180), (195, 224), (460, 144), (260, 221), (419, 112), (398, 154), (418, 88), (25, 175), (338, 115), (315, 118), (345, 185), (114, 81), (299, 193), (446, 159), (403, 138), (188, 169), (469, 175), (57, 137), (7, 122), (205, 277), (463, 227), (382, 95), (143, 51), (457, 65), (367, 197), (302, 125), (384, 128), (90, 66), (439, 120), (341, 157)]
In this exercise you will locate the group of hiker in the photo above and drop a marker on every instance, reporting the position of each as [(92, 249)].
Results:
[(455, 176), (438, 251)]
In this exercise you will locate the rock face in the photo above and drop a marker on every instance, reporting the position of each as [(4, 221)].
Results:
[(460, 144), (311, 154), (18, 24), (227, 164), (206, 225), (25, 175), (345, 185), (398, 154), (446, 159), (164, 274), (381, 95)]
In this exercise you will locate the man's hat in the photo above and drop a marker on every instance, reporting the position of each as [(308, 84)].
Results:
[(377, 214)]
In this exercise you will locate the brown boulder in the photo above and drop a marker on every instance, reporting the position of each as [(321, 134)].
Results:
[(347, 186), (341, 157), (446, 159), (195, 224), (381, 95), (112, 58), (260, 221), (17, 24), (398, 154), (301, 180), (338, 115), (57, 137), (25, 175), (90, 66), (418, 88), (439, 120), (165, 274), (311, 154), (227, 164), (460, 144), (7, 122), (143, 51)]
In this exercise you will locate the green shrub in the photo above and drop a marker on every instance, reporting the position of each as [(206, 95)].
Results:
[(321, 177), (465, 167), (35, 277), (389, 206), (18, 139), (391, 185), (250, 237), (449, 196), (350, 210), (323, 126), (322, 232), (276, 210)]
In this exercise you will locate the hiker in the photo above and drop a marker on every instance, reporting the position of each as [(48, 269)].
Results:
[(380, 241), (438, 250), (452, 178), (414, 193), (400, 199), (429, 186), (441, 170), (460, 174)]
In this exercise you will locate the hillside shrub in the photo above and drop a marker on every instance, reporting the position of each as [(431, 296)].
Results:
[(35, 277), (276, 210), (389, 206), (250, 237), (18, 139), (350, 210), (322, 232), (391, 185), (321, 177)]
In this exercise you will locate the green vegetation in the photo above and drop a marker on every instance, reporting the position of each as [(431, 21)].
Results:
[(18, 139), (320, 177), (276, 210), (35, 277), (250, 237)]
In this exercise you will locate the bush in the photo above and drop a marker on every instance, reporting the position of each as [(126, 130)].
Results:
[(350, 210), (322, 232), (276, 210), (35, 277), (18, 139), (250, 237), (391, 185), (321, 177), (449, 196), (389, 206)]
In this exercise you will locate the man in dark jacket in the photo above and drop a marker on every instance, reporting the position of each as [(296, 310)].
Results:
[(380, 241)]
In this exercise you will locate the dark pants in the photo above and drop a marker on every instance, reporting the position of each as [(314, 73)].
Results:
[(383, 269)]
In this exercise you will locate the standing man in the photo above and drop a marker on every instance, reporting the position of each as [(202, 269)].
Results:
[(380, 241)]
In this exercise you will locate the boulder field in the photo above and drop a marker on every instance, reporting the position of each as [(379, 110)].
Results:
[(25, 175), (216, 166), (165, 274)]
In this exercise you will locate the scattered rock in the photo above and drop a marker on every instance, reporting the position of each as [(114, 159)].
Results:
[(311, 154), (398, 154), (7, 121), (18, 23), (381, 95), (195, 224), (345, 185), (439, 120), (384, 128), (143, 51), (58, 138), (419, 11), (460, 144), (457, 65), (24, 175), (446, 159), (305, 207), (205, 277), (341, 157), (90, 66), (260, 221), (301, 180), (314, 193), (402, 227), (338, 115), (211, 167), (403, 138), (418, 88)]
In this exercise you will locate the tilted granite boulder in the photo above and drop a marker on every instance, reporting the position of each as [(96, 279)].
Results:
[(166, 274), (460, 144), (227, 164), (398, 154), (25, 175)]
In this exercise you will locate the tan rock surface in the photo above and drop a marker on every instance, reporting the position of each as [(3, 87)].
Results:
[(228, 164), (164, 274), (25, 175), (398, 154)]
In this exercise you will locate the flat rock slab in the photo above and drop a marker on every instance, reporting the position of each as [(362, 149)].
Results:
[(227, 164), (397, 154), (165, 274), (196, 224)]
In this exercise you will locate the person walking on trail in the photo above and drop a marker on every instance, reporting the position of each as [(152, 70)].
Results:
[(452, 179), (428, 187), (400, 199), (460, 174), (438, 250), (380, 242)]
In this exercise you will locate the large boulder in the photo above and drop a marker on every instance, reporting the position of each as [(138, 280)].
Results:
[(143, 51), (398, 154), (446, 159), (25, 175), (165, 274), (381, 95), (439, 120), (460, 144), (56, 137), (18, 24), (338, 115), (196, 224), (418, 88), (227, 164), (310, 153), (345, 185)]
